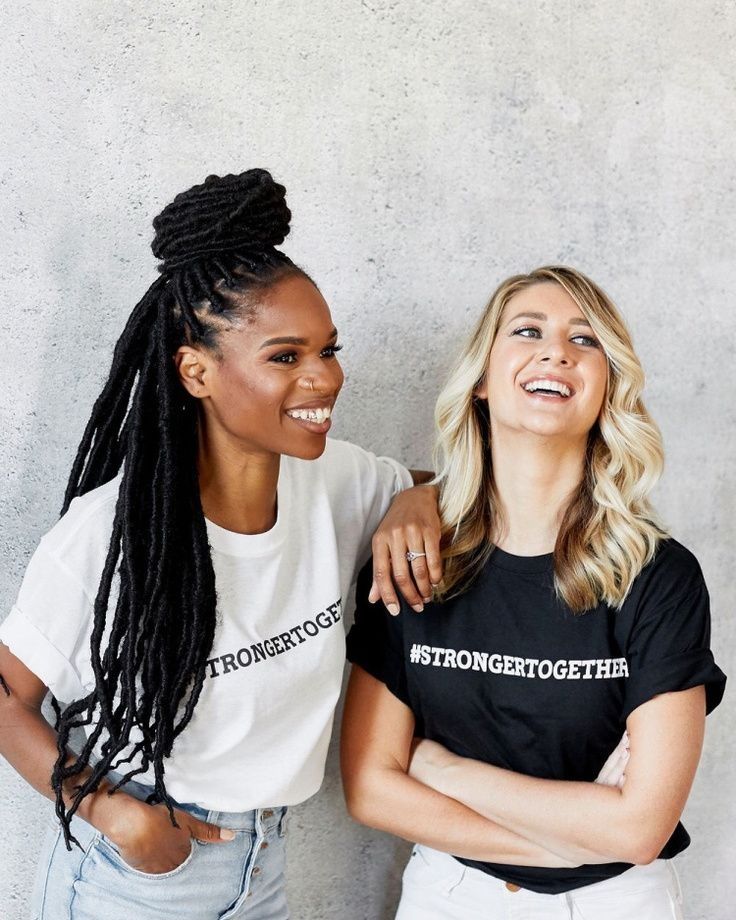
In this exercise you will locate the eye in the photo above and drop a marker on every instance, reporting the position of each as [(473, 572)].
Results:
[(528, 332), (331, 351), (587, 340), (286, 357)]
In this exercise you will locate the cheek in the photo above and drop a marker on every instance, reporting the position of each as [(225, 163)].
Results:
[(597, 390), (500, 375), (242, 394)]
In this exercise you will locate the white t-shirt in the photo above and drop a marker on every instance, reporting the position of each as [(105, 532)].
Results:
[(261, 727)]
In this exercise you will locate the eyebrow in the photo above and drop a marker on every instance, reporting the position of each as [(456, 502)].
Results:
[(575, 321), (293, 340)]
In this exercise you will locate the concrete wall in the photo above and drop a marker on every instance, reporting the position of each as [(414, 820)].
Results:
[(429, 149)]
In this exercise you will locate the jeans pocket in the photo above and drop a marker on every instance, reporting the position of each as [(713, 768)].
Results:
[(113, 854)]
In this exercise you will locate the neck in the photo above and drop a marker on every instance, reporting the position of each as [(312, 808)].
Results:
[(534, 478), (237, 487)]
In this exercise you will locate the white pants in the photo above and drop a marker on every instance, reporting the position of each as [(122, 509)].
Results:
[(437, 886)]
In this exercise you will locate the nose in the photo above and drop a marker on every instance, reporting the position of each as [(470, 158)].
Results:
[(555, 352), (321, 377)]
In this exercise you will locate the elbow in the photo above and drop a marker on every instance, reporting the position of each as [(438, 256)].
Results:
[(360, 802), (645, 851), (354, 802), (641, 848), (367, 801), (359, 811), (638, 834)]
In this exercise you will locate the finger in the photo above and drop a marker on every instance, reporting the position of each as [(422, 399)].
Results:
[(382, 578), (381, 566), (402, 576), (418, 567), (617, 774), (420, 573), (208, 833), (610, 769), (434, 558), (604, 777)]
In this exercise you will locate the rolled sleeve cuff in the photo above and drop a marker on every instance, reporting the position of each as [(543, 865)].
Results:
[(677, 672), (36, 652), (401, 475), (383, 665)]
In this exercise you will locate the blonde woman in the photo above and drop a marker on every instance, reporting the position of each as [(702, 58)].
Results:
[(566, 616)]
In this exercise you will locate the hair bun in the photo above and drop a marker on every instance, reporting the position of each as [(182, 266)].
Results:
[(224, 213)]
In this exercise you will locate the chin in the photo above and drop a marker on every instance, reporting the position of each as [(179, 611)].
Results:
[(549, 431), (311, 452)]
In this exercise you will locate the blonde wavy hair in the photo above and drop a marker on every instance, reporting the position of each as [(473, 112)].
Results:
[(609, 531)]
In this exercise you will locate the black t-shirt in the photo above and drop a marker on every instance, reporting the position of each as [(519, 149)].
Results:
[(507, 674)]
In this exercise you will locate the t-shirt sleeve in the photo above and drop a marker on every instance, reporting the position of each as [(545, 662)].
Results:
[(669, 646), (375, 641), (363, 486), (387, 477), (46, 628)]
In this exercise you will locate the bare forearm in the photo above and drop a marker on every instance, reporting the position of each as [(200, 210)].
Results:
[(584, 821), (29, 744), (628, 824), (391, 801)]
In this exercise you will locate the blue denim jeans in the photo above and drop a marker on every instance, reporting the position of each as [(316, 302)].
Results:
[(243, 878)]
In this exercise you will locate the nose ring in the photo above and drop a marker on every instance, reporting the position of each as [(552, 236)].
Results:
[(310, 383)]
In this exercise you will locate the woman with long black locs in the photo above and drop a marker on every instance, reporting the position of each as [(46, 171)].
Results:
[(185, 611)]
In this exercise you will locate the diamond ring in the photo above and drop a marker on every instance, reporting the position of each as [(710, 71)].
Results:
[(411, 555)]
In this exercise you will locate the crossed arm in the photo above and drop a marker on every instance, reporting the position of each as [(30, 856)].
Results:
[(479, 811)]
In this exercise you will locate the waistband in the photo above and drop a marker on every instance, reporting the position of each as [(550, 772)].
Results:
[(259, 820), (448, 873)]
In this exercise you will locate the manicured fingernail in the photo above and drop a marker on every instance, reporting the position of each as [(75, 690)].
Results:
[(426, 599), (393, 609), (226, 834), (417, 607)]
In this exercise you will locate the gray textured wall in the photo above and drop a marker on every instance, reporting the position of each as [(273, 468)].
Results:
[(428, 149)]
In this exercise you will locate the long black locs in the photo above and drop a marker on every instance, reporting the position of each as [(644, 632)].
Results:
[(154, 613)]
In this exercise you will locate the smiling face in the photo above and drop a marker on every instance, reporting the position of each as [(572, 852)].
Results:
[(274, 382), (547, 372)]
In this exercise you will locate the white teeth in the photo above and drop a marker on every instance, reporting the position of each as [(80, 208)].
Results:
[(533, 385), (310, 415)]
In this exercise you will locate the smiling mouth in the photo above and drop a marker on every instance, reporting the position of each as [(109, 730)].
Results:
[(549, 389), (318, 421), (318, 415)]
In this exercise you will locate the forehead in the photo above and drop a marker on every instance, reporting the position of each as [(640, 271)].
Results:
[(546, 297), (291, 307)]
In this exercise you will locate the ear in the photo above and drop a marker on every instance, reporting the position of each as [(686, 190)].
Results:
[(193, 368), (480, 391)]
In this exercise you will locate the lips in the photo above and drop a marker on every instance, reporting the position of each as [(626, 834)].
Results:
[(315, 415), (548, 386)]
